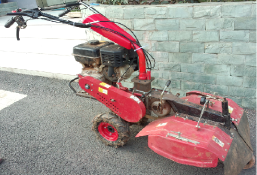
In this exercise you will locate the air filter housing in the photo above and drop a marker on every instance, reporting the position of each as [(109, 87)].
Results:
[(116, 56)]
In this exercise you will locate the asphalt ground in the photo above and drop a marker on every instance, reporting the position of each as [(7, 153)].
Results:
[(49, 132)]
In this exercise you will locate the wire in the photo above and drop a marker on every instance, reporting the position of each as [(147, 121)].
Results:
[(126, 28)]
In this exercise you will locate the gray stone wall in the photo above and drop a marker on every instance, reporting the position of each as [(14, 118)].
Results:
[(210, 47), (27, 4), (7, 8)]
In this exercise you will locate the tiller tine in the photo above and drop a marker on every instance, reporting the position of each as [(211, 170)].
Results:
[(238, 155)]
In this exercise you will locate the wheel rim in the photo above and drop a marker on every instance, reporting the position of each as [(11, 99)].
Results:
[(108, 131)]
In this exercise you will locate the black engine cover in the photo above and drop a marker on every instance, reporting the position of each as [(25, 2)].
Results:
[(86, 53)]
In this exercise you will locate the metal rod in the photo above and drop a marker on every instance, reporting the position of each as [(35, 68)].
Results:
[(198, 126)]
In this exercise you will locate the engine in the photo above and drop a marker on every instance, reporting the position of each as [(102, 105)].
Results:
[(105, 61)]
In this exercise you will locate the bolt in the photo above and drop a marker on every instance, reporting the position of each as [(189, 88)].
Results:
[(223, 156), (87, 86), (91, 89), (226, 150)]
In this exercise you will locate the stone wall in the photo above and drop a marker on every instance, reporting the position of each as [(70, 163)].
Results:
[(7, 8), (27, 4), (209, 47)]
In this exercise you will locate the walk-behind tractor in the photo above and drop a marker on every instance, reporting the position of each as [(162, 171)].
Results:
[(199, 129)]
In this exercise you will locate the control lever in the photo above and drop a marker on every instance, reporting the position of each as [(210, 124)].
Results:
[(204, 106), (18, 33), (21, 25), (166, 86)]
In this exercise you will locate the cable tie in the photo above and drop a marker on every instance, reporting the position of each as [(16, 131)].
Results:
[(140, 48)]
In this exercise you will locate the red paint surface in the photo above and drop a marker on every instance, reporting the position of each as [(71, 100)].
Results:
[(124, 104), (122, 41), (237, 112), (142, 67), (103, 130), (204, 154)]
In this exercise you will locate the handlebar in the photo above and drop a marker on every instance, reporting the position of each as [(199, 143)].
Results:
[(35, 14)]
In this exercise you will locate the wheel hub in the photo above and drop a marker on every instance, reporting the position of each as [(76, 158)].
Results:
[(108, 131)]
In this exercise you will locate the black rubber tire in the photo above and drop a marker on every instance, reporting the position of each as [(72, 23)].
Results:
[(119, 124)]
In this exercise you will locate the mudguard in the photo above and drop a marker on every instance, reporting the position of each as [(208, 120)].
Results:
[(122, 103), (177, 138), (183, 143)]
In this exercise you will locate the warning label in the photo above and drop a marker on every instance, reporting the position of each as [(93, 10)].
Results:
[(215, 139), (103, 90), (105, 85)]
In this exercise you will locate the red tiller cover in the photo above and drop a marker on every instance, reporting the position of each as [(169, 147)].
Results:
[(177, 138), (124, 104)]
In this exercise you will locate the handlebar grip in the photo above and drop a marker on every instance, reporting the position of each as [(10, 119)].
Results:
[(18, 33), (64, 13), (9, 23), (168, 83)]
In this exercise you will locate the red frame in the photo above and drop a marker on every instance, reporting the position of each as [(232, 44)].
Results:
[(122, 41), (124, 104)]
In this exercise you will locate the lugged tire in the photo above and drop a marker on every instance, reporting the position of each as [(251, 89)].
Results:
[(121, 126)]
